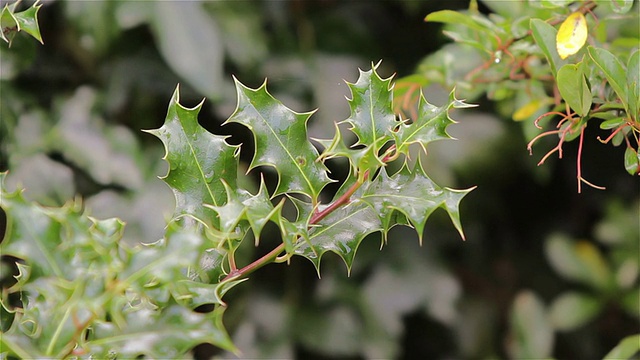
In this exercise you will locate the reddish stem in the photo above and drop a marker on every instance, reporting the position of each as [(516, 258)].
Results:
[(266, 259), (342, 200), (580, 161), (315, 218)]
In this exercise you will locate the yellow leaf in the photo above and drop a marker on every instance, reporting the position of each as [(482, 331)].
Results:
[(572, 35), (529, 109)]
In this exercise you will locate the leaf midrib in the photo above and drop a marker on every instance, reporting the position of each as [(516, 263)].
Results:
[(293, 160)]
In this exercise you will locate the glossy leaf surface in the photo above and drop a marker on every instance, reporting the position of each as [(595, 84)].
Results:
[(280, 141), (198, 162)]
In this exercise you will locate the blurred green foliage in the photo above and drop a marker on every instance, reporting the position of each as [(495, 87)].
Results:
[(544, 272)]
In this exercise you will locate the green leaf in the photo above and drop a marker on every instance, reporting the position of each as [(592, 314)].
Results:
[(532, 334), (612, 69), (613, 123), (572, 310), (621, 6), (474, 22), (77, 276), (578, 261), (574, 89), (431, 124), (627, 348), (164, 260), (36, 234), (415, 195), (362, 160), (372, 118), (533, 107), (28, 21), (631, 161), (555, 3), (463, 38), (630, 302), (340, 232), (280, 141), (158, 333), (633, 85), (545, 36), (242, 205), (198, 162)]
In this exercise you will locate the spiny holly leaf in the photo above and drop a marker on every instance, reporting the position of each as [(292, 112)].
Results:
[(164, 260), (158, 333), (77, 276), (280, 141), (430, 125), (50, 238), (65, 253), (372, 118), (361, 159), (414, 194), (242, 205), (340, 232), (155, 273), (293, 232), (11, 22), (198, 161)]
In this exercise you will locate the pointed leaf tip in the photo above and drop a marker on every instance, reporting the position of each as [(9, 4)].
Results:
[(281, 141), (372, 118), (198, 161)]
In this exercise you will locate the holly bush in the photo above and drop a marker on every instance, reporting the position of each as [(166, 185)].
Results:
[(181, 269)]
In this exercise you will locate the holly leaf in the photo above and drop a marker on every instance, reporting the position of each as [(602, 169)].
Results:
[(280, 141), (372, 118), (159, 333), (11, 22), (77, 275), (415, 195), (362, 159), (199, 162), (64, 253), (241, 205), (430, 125), (341, 232), (48, 238)]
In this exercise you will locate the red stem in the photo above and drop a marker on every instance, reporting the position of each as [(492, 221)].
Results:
[(580, 161), (315, 218), (342, 200), (266, 259)]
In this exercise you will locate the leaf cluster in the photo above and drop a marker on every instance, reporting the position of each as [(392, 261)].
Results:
[(81, 291), (531, 60), (12, 22), (204, 173)]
